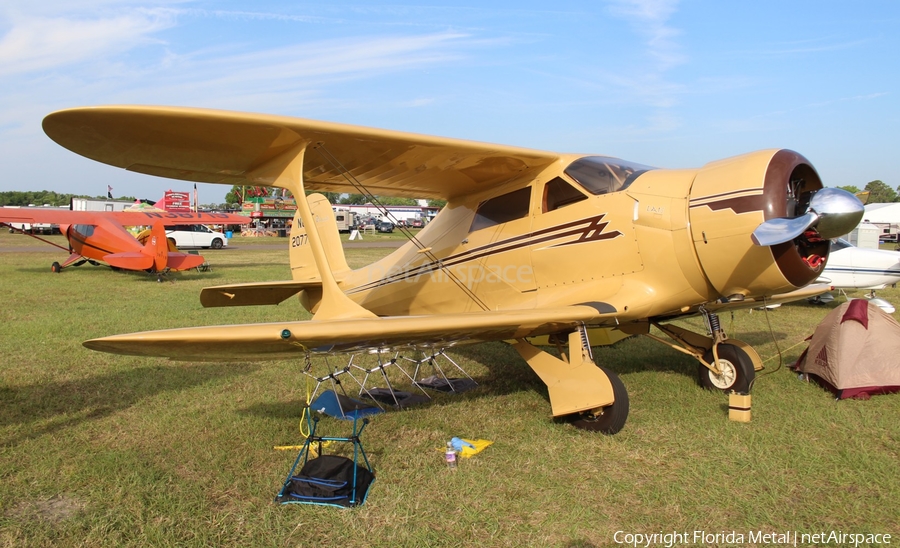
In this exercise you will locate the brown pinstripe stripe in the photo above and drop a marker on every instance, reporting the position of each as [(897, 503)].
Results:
[(589, 229)]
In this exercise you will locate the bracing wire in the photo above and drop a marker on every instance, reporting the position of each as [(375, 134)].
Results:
[(774, 340), (356, 184)]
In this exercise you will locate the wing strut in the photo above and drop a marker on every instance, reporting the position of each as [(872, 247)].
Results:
[(35, 236), (287, 170), (331, 159)]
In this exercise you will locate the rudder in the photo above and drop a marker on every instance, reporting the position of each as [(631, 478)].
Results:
[(303, 263)]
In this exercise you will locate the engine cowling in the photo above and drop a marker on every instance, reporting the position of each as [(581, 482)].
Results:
[(730, 198)]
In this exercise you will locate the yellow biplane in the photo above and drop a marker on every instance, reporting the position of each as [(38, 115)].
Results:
[(530, 243)]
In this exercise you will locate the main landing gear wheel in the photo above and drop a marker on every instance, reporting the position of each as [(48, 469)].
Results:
[(736, 367), (55, 268), (609, 419)]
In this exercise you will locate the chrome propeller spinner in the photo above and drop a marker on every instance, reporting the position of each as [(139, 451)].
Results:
[(832, 212)]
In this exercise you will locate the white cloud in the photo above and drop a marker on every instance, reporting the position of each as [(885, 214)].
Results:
[(35, 44), (275, 78), (648, 82), (649, 18)]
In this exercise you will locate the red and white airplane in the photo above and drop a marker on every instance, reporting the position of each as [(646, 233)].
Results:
[(101, 236)]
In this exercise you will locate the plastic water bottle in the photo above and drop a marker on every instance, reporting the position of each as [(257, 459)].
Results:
[(450, 456)]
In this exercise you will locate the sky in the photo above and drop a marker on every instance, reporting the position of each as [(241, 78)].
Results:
[(668, 83)]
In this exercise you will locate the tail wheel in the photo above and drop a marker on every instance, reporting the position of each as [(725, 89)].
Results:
[(55, 268), (736, 367), (609, 419)]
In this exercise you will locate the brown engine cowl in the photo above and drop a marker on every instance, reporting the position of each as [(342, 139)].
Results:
[(730, 198), (792, 181)]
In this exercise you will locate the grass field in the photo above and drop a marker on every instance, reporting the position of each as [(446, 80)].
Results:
[(103, 450)]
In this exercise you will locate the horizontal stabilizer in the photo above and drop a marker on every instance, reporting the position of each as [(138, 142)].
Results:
[(131, 260), (253, 293), (184, 261), (288, 339)]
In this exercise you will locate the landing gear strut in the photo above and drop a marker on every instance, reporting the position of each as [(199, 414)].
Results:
[(725, 366), (591, 397)]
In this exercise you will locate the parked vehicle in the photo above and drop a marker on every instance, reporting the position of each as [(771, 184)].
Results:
[(346, 220), (195, 236), (417, 223), (384, 226)]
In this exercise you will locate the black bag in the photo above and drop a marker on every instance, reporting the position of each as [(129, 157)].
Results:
[(328, 479)]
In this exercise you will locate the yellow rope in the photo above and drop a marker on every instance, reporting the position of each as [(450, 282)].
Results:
[(304, 417), (304, 424), (785, 350)]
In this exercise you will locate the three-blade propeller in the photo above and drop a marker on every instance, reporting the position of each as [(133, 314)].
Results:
[(832, 212)]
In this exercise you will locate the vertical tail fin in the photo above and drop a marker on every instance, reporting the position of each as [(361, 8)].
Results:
[(303, 265), (158, 247)]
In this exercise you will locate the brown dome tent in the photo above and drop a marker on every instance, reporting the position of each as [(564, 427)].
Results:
[(855, 351)]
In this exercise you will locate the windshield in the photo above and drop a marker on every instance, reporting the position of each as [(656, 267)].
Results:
[(600, 174)]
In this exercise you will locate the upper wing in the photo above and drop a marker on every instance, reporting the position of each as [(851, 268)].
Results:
[(125, 218), (136, 218), (41, 215), (288, 339), (226, 147)]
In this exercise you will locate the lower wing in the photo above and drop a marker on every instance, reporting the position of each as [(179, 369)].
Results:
[(290, 339)]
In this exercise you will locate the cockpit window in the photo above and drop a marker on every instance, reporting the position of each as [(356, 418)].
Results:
[(85, 230), (558, 193), (600, 175), (502, 209)]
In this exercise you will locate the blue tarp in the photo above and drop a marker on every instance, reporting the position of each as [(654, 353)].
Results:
[(342, 407)]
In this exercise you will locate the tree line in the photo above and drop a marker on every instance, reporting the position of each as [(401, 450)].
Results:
[(235, 197), (45, 197), (240, 194), (879, 192)]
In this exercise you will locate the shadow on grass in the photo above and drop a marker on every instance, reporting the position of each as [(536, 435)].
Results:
[(44, 408), (137, 275), (506, 373)]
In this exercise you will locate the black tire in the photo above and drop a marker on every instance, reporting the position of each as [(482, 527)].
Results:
[(216, 244), (737, 370), (55, 268), (608, 420)]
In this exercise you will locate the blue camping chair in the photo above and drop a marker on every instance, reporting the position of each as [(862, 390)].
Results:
[(328, 480)]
